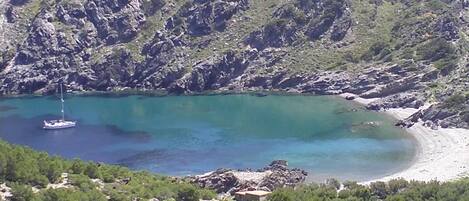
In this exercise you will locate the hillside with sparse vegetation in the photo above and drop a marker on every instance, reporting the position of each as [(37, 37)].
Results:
[(179, 46), (405, 52)]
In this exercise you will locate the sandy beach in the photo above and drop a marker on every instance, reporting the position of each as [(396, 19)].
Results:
[(442, 155)]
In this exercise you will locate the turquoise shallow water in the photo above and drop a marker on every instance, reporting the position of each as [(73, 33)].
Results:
[(181, 135)]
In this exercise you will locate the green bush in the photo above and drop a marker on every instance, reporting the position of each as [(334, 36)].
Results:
[(289, 11), (39, 181), (151, 6), (78, 166), (21, 168), (437, 5), (380, 49), (379, 189), (282, 195), (454, 101), (333, 183), (21, 192), (118, 196), (71, 195), (447, 64), (435, 50), (397, 185), (107, 177), (92, 171), (81, 181), (394, 190), (51, 168), (331, 9), (188, 193)]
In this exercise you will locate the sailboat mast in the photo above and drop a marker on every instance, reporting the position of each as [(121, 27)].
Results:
[(62, 101)]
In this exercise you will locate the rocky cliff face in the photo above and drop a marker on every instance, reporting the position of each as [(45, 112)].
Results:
[(405, 52)]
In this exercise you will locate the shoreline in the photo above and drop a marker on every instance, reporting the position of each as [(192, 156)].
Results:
[(442, 155), (162, 93)]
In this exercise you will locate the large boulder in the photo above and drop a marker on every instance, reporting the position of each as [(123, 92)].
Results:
[(276, 175)]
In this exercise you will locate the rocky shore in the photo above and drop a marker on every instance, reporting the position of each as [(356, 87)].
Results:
[(196, 46), (228, 182), (442, 153), (393, 54)]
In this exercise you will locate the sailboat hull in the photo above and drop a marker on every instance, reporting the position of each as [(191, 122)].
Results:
[(62, 123), (58, 124)]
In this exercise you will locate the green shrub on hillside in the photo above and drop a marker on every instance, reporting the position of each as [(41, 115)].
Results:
[(21, 192), (394, 190), (151, 6), (454, 101), (188, 194), (82, 182), (332, 8), (441, 52), (437, 5), (21, 168), (77, 167), (289, 11), (92, 171), (71, 195), (379, 49), (435, 50)]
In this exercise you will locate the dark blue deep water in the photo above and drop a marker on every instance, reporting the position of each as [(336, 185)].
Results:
[(182, 135)]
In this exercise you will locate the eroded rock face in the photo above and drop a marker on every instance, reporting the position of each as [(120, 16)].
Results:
[(42, 42), (11, 14), (212, 74), (154, 72), (202, 17), (314, 19), (276, 175), (114, 71), (400, 100), (436, 116), (59, 47), (115, 20)]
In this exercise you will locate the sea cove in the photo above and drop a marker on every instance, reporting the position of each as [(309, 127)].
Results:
[(186, 135)]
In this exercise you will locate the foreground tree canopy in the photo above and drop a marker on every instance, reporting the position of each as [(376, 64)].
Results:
[(22, 168), (27, 171), (394, 190)]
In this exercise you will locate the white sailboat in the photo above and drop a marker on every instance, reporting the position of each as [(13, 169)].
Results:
[(60, 123)]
